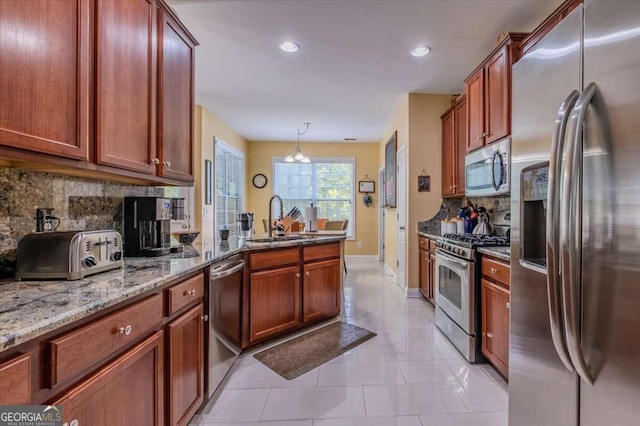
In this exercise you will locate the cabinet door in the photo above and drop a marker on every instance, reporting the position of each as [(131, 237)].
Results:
[(495, 325), (432, 279), (321, 289), (129, 391), (274, 302), (460, 120), (448, 155), (175, 99), (475, 111), (126, 84), (497, 107), (424, 273), (186, 366), (44, 75)]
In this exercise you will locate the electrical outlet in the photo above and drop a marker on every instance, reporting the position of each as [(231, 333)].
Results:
[(359, 244), (205, 212)]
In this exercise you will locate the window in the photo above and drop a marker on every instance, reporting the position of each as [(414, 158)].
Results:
[(229, 184), (327, 183)]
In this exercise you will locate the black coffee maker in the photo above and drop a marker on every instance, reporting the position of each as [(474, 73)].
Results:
[(147, 226)]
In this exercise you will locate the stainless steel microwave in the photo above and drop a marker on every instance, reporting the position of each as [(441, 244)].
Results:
[(487, 170)]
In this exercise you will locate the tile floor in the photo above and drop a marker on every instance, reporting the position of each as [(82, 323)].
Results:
[(408, 375)]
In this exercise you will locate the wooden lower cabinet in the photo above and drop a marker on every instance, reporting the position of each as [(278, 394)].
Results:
[(427, 268), (495, 325), (274, 302), (15, 380), (185, 387), (128, 391), (321, 289)]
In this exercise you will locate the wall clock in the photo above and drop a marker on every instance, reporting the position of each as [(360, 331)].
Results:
[(259, 180)]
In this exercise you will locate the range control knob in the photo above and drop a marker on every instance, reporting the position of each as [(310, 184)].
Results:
[(89, 262), (116, 255)]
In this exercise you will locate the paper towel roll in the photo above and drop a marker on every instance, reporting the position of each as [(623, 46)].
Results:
[(311, 219)]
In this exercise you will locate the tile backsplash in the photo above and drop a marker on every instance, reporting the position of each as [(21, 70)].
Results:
[(79, 203), (451, 206)]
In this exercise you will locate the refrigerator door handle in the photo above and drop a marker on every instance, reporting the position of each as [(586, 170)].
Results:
[(554, 293), (570, 237)]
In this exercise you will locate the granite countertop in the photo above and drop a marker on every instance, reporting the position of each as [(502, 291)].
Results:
[(428, 235), (503, 253), (29, 309)]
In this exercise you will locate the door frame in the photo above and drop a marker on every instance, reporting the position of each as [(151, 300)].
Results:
[(381, 216), (401, 211)]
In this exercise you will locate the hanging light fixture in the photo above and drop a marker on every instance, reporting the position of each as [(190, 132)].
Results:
[(297, 156)]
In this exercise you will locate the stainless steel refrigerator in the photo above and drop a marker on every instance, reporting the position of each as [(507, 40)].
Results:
[(574, 354)]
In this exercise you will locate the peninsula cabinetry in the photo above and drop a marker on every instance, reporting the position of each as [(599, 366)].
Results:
[(454, 142), (321, 288), (495, 297), (489, 95)]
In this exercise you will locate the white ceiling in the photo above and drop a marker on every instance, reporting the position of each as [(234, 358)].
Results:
[(353, 65)]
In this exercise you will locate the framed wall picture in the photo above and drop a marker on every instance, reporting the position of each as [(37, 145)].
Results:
[(207, 182), (366, 186), (390, 170), (424, 183)]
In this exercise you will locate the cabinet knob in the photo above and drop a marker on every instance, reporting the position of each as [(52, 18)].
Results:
[(306, 273), (493, 270), (73, 422), (166, 163), (489, 335), (484, 135), (479, 138), (190, 293), (155, 161), (205, 318), (298, 274), (125, 330), (508, 305)]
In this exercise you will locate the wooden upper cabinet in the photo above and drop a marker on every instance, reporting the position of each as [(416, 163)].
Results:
[(45, 52), (448, 154), (175, 103), (461, 141), (475, 111), (125, 84), (489, 94), (497, 100), (454, 140)]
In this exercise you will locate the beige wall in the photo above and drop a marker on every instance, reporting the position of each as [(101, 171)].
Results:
[(207, 128), (425, 135), (260, 160), (399, 123)]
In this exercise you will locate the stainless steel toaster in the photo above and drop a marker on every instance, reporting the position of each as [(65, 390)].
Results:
[(70, 255)]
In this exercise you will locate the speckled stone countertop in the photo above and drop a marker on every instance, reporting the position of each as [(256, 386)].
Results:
[(29, 309), (428, 235), (503, 253)]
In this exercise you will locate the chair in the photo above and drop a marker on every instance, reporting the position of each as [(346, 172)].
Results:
[(338, 225)]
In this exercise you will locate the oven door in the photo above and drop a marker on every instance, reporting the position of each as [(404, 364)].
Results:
[(454, 289)]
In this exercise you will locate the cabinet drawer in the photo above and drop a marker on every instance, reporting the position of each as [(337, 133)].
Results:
[(182, 294), (423, 243), (80, 349), (432, 246), (15, 381), (496, 270), (273, 258), (321, 252)]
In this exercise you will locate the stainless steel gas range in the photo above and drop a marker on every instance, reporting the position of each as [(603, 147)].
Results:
[(457, 289)]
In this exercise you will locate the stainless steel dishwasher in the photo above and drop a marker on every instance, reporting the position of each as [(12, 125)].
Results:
[(225, 318)]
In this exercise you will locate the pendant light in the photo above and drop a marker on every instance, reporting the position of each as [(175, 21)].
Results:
[(297, 156)]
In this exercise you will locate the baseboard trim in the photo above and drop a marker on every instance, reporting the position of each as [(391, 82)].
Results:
[(361, 257), (413, 292), (389, 271)]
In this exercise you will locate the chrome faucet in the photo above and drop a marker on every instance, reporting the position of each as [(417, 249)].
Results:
[(271, 227)]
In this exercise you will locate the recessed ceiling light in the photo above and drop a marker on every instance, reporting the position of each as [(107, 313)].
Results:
[(289, 46), (420, 51)]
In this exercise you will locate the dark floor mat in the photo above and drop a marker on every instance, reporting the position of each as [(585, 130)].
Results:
[(304, 353)]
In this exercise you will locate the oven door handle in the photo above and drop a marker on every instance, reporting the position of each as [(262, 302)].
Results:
[(452, 259)]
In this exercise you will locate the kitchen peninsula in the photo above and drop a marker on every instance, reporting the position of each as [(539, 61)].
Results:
[(61, 341)]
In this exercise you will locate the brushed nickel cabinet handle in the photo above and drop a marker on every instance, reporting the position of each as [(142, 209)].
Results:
[(125, 330), (493, 270), (205, 318), (190, 293), (298, 274), (307, 273), (167, 163), (155, 161)]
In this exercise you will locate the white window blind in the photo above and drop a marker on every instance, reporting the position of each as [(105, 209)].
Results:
[(327, 183), (229, 184)]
